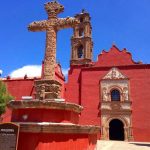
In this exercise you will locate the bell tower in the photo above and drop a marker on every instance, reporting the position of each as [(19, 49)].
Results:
[(81, 40)]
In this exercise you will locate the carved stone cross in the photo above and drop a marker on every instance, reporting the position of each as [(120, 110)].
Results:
[(51, 26)]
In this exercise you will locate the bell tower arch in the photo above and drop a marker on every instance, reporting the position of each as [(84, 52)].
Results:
[(81, 40)]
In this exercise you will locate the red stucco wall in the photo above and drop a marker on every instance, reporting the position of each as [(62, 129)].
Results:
[(57, 141), (45, 115), (83, 87)]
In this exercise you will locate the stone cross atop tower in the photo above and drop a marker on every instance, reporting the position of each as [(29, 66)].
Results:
[(48, 87)]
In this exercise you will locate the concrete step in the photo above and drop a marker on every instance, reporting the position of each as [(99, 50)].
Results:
[(121, 145)]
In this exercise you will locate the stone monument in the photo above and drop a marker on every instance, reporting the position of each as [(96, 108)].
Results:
[(48, 87), (47, 123)]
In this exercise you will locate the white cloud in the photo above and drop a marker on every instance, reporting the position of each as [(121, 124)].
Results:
[(29, 70), (1, 71), (65, 72)]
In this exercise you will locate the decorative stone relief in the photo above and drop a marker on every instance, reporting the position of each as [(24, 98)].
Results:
[(110, 110), (105, 106), (126, 106), (47, 89), (121, 85), (125, 94), (114, 73), (105, 94), (115, 106)]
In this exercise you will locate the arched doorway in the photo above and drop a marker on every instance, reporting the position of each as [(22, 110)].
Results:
[(116, 130)]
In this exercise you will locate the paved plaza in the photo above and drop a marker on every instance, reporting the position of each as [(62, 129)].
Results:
[(120, 145)]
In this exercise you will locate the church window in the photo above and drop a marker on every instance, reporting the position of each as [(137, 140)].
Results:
[(115, 95), (80, 51)]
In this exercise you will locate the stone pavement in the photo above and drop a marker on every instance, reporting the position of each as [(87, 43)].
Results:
[(120, 145)]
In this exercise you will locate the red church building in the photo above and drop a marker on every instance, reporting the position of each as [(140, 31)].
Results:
[(113, 91)]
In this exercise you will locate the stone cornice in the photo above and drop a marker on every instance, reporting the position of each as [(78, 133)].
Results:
[(117, 112), (46, 104), (64, 128), (123, 67)]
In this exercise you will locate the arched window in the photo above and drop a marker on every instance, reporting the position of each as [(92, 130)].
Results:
[(115, 95), (80, 51)]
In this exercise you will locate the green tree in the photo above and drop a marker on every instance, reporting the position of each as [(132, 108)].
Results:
[(5, 97)]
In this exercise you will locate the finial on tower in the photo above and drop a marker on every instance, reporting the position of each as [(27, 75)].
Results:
[(83, 10)]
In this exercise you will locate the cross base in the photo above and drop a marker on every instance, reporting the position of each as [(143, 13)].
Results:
[(47, 89)]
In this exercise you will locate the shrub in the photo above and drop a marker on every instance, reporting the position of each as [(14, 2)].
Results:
[(5, 97)]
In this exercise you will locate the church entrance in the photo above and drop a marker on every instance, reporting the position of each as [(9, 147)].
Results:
[(116, 130)]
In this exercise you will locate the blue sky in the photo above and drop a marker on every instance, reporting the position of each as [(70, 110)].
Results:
[(124, 22)]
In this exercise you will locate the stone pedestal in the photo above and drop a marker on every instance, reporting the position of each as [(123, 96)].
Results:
[(49, 124), (47, 89)]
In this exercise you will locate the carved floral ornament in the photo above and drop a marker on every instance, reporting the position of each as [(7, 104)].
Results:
[(114, 80), (44, 88), (114, 73), (53, 7)]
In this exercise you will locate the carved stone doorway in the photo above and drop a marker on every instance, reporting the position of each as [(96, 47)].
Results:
[(116, 130)]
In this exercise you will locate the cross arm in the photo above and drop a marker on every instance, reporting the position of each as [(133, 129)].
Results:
[(68, 22), (37, 26)]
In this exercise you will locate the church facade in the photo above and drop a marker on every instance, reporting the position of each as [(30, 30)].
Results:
[(114, 90)]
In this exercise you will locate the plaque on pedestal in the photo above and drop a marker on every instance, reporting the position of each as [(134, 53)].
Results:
[(9, 133)]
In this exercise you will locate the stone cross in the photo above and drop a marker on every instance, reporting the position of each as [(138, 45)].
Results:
[(48, 87), (51, 26)]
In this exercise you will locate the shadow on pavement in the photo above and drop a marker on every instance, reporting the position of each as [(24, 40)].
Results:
[(141, 144)]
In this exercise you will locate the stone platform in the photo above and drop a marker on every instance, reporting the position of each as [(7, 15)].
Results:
[(50, 127), (52, 123), (46, 104)]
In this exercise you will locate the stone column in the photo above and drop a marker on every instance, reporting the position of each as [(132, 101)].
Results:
[(50, 54), (126, 133)]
